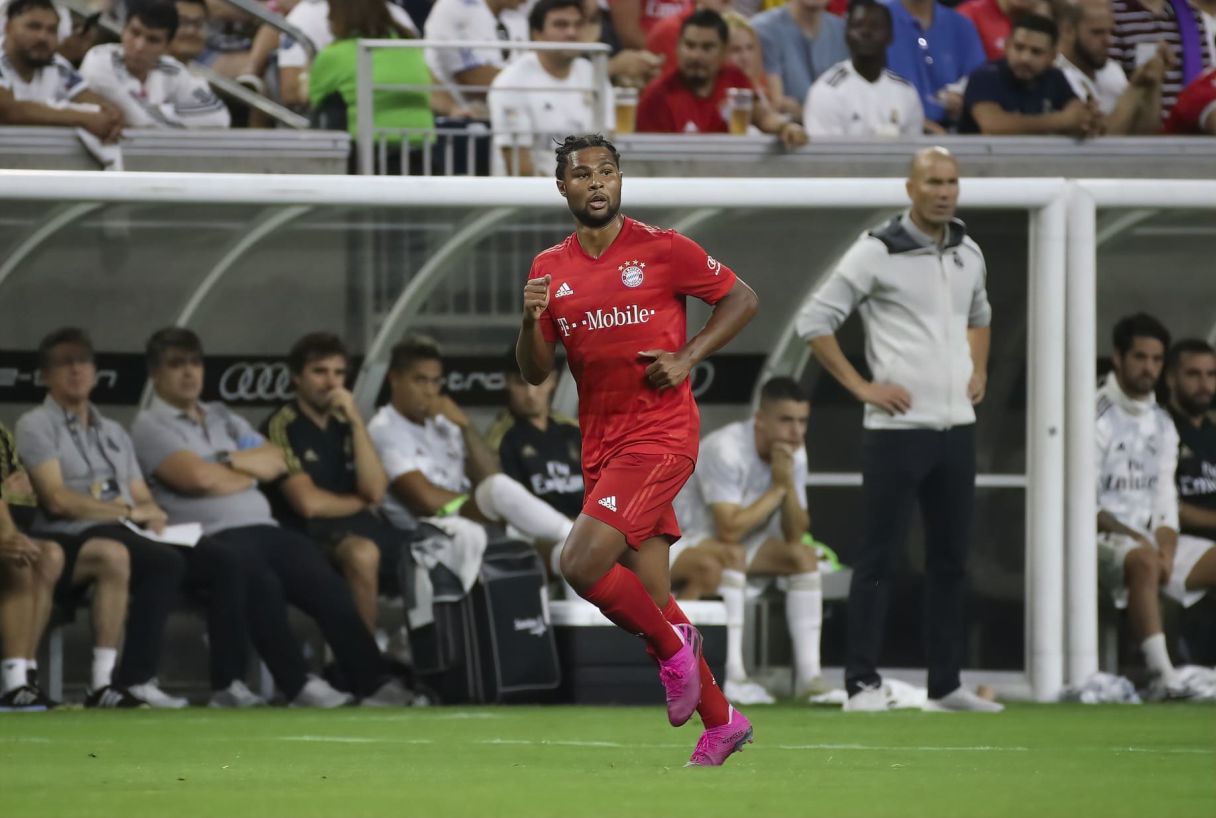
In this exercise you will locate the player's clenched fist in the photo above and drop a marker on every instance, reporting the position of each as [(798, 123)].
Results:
[(536, 297), (668, 370)]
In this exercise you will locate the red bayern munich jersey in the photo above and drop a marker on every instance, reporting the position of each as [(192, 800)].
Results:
[(604, 312)]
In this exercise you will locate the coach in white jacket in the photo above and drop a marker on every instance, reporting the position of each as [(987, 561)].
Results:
[(918, 282), (152, 89)]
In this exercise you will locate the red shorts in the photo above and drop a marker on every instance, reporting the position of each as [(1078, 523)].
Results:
[(634, 495)]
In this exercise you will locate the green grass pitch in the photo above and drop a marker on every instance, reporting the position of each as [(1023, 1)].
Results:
[(1030, 762)]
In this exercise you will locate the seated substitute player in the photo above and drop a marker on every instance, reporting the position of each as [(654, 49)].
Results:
[(614, 294), (1190, 374), (1140, 555), (744, 511), (438, 464), (334, 483), (151, 88), (29, 569), (83, 469), (205, 462)]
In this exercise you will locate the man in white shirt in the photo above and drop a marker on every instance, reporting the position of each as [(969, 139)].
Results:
[(744, 512), (474, 20), (311, 17), (860, 96), (152, 89), (1140, 555), (545, 94), (438, 465), (1086, 34), (37, 86)]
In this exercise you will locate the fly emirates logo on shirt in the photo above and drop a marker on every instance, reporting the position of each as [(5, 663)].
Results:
[(601, 318)]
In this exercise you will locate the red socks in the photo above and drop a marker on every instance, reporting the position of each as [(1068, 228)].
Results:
[(713, 708), (621, 597)]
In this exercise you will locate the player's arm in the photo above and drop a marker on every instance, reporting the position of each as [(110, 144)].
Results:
[(370, 479), (795, 521), (1109, 524), (61, 501), (186, 473), (1165, 504), (733, 522), (730, 315), (533, 352), (1193, 516), (310, 501), (419, 495), (146, 512), (15, 547)]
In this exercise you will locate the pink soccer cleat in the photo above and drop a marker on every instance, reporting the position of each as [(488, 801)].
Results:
[(681, 677), (717, 743)]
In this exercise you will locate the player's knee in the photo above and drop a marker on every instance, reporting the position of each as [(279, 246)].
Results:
[(734, 558), (108, 560), (50, 561), (359, 558), (1140, 565), (803, 559)]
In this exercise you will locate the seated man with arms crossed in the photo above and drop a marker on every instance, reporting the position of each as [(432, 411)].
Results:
[(334, 482), (744, 512), (206, 462), (437, 463)]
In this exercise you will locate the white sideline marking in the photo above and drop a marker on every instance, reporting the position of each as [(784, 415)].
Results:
[(886, 747), (353, 740)]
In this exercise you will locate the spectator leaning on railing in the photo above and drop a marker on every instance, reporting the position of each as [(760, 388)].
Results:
[(1140, 25), (37, 86), (89, 486), (934, 47), (1133, 107), (860, 96), (151, 88), (1024, 93), (545, 94), (474, 20)]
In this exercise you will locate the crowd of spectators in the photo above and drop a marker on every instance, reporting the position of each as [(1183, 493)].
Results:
[(800, 68)]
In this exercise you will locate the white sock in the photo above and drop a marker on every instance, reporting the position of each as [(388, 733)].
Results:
[(804, 613), (502, 499), (14, 674), (1157, 656), (733, 589), (104, 660)]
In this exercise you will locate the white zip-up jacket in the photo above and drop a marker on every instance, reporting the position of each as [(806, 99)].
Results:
[(917, 300), (171, 97), (1137, 454)]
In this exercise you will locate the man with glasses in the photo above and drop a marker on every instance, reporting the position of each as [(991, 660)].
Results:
[(93, 500)]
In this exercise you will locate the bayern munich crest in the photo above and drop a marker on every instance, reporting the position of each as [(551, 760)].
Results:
[(632, 273)]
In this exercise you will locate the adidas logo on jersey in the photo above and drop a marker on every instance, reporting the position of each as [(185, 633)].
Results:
[(564, 291), (609, 502)]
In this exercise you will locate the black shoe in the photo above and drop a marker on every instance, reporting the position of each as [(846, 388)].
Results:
[(31, 676), (24, 699), (112, 697)]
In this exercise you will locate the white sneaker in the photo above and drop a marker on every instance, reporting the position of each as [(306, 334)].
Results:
[(961, 700), (746, 691), (236, 695), (318, 693), (811, 688), (870, 699), (390, 694), (151, 693)]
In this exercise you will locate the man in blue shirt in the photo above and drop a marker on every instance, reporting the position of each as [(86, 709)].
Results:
[(1024, 93), (934, 46), (799, 41)]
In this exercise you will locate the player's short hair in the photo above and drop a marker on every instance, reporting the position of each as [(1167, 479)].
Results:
[(1037, 23), (163, 340), (707, 18), (536, 17), (315, 346), (578, 143), (1187, 346), (782, 388), (19, 7), (870, 5), (1139, 325), (157, 14), (410, 350), (64, 335)]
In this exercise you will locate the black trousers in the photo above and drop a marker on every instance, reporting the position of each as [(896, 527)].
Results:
[(155, 581), (251, 574), (900, 468)]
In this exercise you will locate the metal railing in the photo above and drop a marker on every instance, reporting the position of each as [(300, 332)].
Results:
[(372, 140)]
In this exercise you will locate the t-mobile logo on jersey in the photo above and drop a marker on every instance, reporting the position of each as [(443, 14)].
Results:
[(606, 319)]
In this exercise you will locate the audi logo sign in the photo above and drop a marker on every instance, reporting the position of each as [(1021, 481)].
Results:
[(247, 382)]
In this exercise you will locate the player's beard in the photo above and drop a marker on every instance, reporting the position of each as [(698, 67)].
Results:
[(597, 220), (1194, 406)]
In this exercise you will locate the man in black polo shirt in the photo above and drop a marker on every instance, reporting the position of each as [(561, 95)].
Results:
[(334, 482), (1024, 93)]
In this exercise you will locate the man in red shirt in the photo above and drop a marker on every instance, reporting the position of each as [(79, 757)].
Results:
[(692, 97), (993, 20), (1195, 111), (614, 294), (664, 36)]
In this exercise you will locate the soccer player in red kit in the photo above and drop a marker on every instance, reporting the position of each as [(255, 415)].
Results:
[(613, 293)]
